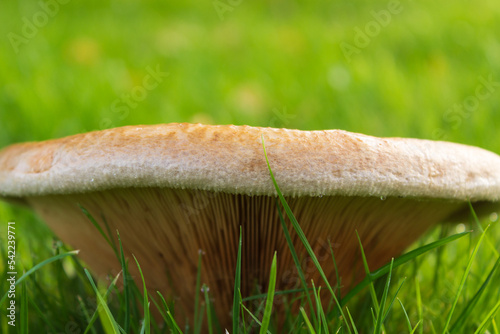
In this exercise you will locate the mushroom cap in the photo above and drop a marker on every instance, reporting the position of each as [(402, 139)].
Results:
[(230, 159)]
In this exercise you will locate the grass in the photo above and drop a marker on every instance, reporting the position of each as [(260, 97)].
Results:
[(264, 64)]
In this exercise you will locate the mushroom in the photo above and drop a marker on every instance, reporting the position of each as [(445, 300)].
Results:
[(172, 190)]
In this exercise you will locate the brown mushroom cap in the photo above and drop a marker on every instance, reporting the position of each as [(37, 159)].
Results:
[(230, 159), (173, 189)]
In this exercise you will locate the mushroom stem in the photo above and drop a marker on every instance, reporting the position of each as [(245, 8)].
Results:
[(165, 229)]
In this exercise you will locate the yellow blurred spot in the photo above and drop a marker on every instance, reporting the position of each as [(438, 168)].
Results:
[(202, 118), (460, 228), (228, 36), (248, 98), (170, 41), (290, 40), (339, 77), (84, 51)]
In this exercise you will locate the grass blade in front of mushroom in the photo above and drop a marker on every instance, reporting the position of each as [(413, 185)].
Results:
[(92, 320), (266, 319), (295, 259), (198, 317), (319, 307), (126, 287), (208, 307), (302, 236), (146, 328), (169, 319), (237, 287), (393, 299), (257, 321), (352, 321), (339, 279), (107, 319), (380, 314), (306, 320), (109, 238), (371, 287)]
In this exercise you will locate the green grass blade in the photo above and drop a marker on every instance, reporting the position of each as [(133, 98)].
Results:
[(488, 240), (257, 321), (471, 305), (37, 267), (407, 318), (321, 313), (24, 309), (266, 319), (419, 306), (352, 321), (318, 306), (244, 329), (380, 314), (295, 257), (197, 318), (96, 312), (415, 328), (42, 314), (337, 274), (86, 316), (237, 286), (169, 319), (126, 289), (464, 278), (306, 320), (107, 319), (399, 261), (94, 222), (374, 317), (164, 315), (276, 293), (302, 236), (373, 294), (147, 319), (489, 318), (207, 302), (393, 299)]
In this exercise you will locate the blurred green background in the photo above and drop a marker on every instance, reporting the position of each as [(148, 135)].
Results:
[(67, 66)]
